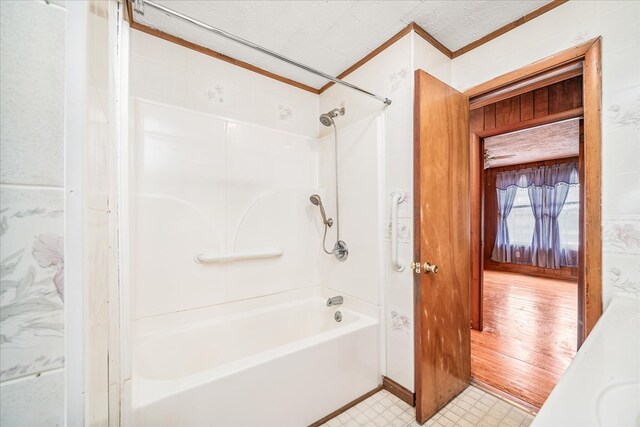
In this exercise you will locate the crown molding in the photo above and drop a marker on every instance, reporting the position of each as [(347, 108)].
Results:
[(417, 29)]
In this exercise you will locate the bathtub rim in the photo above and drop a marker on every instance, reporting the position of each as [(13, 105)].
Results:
[(147, 390), (145, 325)]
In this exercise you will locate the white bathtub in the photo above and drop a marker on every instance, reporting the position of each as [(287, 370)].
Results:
[(287, 364)]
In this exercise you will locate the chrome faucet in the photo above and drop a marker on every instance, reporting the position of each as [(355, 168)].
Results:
[(335, 301)]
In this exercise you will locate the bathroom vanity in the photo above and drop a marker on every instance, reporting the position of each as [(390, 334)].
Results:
[(601, 387)]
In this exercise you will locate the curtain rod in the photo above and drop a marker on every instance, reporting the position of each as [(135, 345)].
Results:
[(139, 8)]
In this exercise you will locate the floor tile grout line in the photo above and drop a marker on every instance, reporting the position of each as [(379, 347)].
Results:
[(498, 410)]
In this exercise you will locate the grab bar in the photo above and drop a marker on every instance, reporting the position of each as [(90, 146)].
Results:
[(203, 258), (396, 199)]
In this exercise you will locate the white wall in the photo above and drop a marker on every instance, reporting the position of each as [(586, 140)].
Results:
[(91, 213), (32, 56), (360, 178), (568, 25), (222, 161), (173, 75), (391, 74), (101, 210)]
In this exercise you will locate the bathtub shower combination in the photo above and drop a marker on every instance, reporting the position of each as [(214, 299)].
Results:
[(280, 364), (240, 332), (238, 317)]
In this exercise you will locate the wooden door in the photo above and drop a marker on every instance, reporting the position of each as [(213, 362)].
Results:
[(442, 237)]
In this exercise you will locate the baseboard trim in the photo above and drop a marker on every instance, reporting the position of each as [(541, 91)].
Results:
[(399, 391), (347, 406), (525, 406)]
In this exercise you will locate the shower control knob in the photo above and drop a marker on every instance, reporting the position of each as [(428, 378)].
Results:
[(415, 266), (430, 268)]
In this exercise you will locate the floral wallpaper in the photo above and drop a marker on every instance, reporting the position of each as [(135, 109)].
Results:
[(216, 94), (621, 254), (625, 115), (285, 113), (623, 281), (398, 78), (405, 220), (621, 234), (400, 322), (31, 282), (32, 48)]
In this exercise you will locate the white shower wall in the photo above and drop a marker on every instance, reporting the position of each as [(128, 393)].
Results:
[(203, 184), (165, 72), (223, 161), (361, 174)]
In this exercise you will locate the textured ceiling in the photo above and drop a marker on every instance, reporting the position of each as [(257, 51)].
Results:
[(554, 141), (330, 35)]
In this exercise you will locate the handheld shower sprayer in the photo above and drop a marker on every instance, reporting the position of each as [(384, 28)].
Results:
[(340, 249), (316, 200)]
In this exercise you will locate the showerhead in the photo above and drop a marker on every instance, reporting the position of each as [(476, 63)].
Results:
[(327, 118), (315, 199)]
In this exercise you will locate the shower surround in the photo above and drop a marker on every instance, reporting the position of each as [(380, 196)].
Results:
[(204, 184), (222, 163)]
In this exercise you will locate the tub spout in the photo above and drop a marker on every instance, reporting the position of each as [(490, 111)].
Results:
[(334, 301)]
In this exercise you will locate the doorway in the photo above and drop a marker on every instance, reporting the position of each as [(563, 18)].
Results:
[(444, 164), (531, 232), (583, 60), (560, 88)]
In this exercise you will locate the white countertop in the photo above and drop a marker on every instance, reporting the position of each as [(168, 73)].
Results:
[(601, 386)]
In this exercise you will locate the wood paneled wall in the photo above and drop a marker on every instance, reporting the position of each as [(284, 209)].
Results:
[(491, 227), (556, 98)]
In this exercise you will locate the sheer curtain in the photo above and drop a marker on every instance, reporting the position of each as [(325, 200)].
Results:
[(568, 222), (558, 181), (506, 188), (535, 187), (547, 187)]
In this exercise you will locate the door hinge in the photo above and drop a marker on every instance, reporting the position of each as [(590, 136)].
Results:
[(415, 266)]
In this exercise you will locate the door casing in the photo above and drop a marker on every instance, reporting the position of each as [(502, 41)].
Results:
[(590, 268)]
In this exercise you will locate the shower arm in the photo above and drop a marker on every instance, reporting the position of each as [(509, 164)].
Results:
[(138, 6)]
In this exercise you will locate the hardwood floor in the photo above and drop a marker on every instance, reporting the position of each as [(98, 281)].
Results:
[(529, 335)]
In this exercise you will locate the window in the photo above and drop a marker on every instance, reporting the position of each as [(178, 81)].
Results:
[(520, 221), (568, 221), (516, 237)]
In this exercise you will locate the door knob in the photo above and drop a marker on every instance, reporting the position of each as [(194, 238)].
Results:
[(430, 268)]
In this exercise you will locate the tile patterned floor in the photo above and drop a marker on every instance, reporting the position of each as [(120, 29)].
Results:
[(473, 407)]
